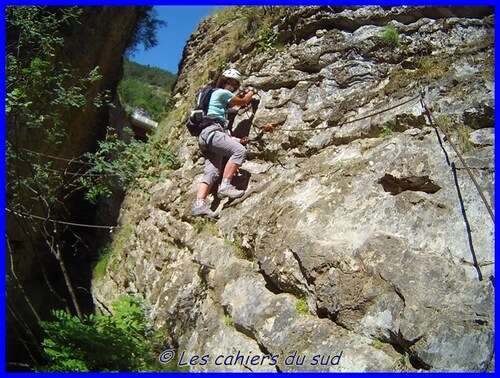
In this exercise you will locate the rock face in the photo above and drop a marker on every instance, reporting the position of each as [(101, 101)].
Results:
[(361, 243)]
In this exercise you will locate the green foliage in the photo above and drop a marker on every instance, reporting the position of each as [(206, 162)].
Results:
[(145, 29), (430, 68), (148, 88), (149, 75), (41, 92), (254, 17), (259, 21), (301, 306), (376, 343), (125, 163), (202, 224), (225, 15), (266, 40), (240, 251), (257, 24), (386, 132), (122, 342), (402, 364), (40, 88), (228, 320), (102, 264), (116, 247), (457, 131), (390, 36), (259, 18)]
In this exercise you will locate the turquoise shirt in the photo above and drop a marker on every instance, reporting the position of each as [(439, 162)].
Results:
[(219, 103)]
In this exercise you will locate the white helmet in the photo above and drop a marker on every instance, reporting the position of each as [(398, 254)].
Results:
[(231, 73)]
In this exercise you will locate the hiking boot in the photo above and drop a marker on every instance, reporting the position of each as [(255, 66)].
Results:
[(201, 209), (229, 191)]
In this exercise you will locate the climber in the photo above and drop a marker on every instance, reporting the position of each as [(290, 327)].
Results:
[(215, 142)]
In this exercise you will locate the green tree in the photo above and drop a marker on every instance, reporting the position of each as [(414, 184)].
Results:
[(149, 75), (125, 163), (43, 91), (121, 342), (148, 88), (145, 30)]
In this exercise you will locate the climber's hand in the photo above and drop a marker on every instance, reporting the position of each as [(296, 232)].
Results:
[(250, 88), (244, 140)]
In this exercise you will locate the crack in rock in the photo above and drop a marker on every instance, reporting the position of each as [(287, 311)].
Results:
[(397, 185)]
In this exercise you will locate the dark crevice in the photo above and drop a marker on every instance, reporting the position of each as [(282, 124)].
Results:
[(277, 84), (396, 289), (266, 352), (309, 67), (324, 313), (249, 333), (402, 346), (397, 340), (397, 185), (303, 270), (418, 364), (270, 285), (178, 243), (203, 272)]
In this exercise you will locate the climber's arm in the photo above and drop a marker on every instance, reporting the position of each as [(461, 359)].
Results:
[(240, 101)]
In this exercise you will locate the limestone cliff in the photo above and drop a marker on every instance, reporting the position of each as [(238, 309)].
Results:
[(361, 243)]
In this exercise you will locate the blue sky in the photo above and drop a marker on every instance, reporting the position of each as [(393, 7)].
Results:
[(181, 22)]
